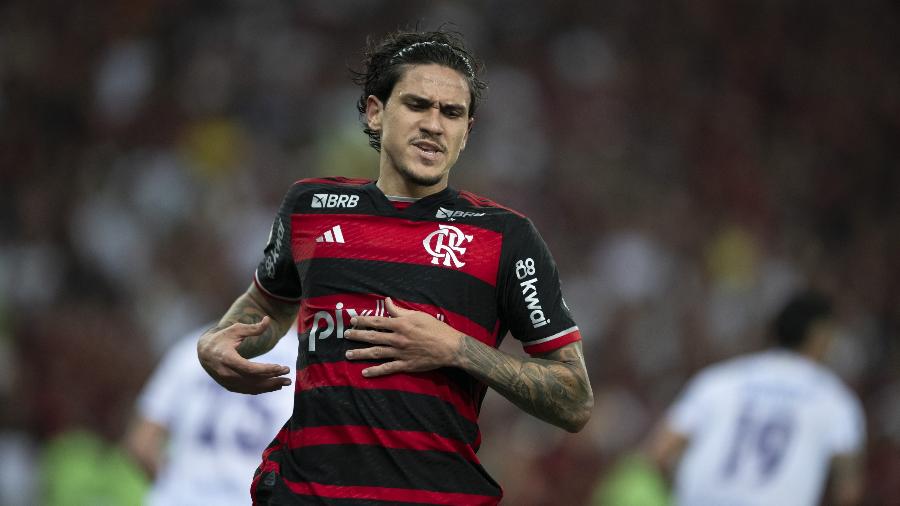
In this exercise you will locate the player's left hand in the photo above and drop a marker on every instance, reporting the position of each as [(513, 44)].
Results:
[(410, 341)]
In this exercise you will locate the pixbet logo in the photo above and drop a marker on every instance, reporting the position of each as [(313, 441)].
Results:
[(328, 323), (445, 243), (524, 269), (334, 321), (320, 200)]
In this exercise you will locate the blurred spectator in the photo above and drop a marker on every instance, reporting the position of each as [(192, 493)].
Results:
[(197, 442), (772, 427)]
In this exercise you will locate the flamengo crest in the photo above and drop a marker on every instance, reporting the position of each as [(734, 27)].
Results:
[(446, 243)]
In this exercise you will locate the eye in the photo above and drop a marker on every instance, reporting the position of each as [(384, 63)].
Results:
[(453, 112)]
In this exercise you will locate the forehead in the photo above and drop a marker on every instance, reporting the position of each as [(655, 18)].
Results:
[(434, 82)]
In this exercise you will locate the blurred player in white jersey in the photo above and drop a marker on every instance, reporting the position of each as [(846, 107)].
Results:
[(199, 443), (767, 428)]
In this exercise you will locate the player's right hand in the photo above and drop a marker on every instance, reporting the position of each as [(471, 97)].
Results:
[(217, 351)]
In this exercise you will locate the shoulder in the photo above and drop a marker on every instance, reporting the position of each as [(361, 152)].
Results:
[(834, 387), (721, 375), (472, 208), (486, 205), (331, 182), (324, 192), (326, 184)]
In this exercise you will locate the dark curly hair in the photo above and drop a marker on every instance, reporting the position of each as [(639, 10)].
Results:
[(792, 325), (385, 63)]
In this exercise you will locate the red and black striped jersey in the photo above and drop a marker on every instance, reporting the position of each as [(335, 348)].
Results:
[(339, 247)]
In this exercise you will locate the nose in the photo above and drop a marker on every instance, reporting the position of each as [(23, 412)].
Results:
[(431, 121)]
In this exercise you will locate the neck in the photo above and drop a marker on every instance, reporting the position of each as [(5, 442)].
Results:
[(811, 350), (392, 183)]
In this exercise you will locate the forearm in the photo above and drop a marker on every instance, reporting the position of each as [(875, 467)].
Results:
[(555, 389), (144, 443), (251, 307)]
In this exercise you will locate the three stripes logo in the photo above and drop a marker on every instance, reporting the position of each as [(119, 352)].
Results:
[(335, 234)]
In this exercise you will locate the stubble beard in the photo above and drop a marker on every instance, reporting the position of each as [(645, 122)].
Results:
[(409, 175)]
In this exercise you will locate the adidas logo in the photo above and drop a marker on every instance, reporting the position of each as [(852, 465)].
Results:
[(333, 235)]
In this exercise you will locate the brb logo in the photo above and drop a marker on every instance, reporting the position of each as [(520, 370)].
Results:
[(451, 215), (525, 269), (445, 244), (320, 200)]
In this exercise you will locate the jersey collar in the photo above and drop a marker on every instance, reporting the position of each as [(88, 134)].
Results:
[(424, 207)]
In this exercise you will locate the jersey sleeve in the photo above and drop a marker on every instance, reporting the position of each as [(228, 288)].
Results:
[(530, 298), (276, 275), (848, 432), (687, 413)]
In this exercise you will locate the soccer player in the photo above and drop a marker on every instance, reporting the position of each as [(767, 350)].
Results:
[(198, 442), (766, 428), (405, 288)]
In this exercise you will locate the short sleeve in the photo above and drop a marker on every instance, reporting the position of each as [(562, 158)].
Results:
[(848, 430), (531, 301), (687, 413), (276, 273)]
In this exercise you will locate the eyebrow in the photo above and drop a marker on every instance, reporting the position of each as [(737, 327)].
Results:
[(422, 101)]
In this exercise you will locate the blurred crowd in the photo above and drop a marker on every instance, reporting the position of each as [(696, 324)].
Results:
[(689, 163)]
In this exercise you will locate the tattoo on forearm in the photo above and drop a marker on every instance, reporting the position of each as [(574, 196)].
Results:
[(248, 310), (555, 388)]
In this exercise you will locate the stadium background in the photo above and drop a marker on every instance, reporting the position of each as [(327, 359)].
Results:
[(688, 162)]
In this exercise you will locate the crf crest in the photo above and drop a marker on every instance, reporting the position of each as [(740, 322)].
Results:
[(445, 245)]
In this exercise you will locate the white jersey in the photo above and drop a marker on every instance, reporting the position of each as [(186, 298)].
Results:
[(762, 430), (216, 437)]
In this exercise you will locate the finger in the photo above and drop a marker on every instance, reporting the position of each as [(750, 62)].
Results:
[(371, 353), (251, 329), (246, 368), (373, 322), (258, 387), (393, 309), (271, 385), (385, 369), (369, 336)]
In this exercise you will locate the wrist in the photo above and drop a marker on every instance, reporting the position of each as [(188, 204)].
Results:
[(457, 358)]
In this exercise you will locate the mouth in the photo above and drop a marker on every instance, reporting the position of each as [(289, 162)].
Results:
[(427, 149)]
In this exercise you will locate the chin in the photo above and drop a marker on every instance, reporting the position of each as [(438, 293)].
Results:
[(422, 177)]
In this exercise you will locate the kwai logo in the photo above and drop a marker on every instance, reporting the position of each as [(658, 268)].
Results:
[(524, 269), (445, 243), (321, 200)]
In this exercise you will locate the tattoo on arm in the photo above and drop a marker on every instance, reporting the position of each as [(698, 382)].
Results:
[(554, 388), (252, 307)]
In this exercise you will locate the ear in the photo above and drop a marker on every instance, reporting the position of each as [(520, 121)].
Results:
[(374, 110), (468, 131)]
